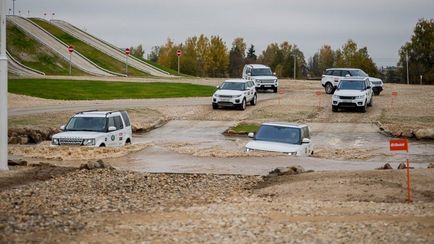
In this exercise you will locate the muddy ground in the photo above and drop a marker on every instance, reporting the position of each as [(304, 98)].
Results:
[(53, 204)]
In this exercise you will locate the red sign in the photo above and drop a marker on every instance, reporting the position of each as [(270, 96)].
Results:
[(318, 93), (394, 93), (178, 53), (70, 49), (127, 51), (398, 145), (281, 91)]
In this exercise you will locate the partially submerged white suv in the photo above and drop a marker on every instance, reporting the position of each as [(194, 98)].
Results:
[(291, 139), (95, 129), (235, 93), (353, 93), (262, 76), (331, 78)]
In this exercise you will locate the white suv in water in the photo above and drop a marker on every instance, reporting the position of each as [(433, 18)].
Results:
[(262, 76), (291, 139), (235, 93), (353, 93), (95, 129), (331, 78)]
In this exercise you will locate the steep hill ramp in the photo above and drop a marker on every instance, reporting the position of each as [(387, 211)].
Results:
[(109, 49), (20, 69), (60, 48)]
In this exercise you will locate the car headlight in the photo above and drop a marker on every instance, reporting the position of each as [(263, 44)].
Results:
[(360, 97), (335, 96), (292, 153), (55, 141), (88, 142), (249, 149)]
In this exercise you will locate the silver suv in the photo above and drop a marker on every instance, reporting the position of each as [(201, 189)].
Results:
[(262, 76), (332, 77)]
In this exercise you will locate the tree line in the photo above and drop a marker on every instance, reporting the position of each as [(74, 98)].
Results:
[(210, 57)]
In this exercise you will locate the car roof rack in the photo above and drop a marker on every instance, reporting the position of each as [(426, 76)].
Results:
[(87, 111)]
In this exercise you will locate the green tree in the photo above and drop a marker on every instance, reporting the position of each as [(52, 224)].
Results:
[(251, 56), (236, 57), (154, 54), (137, 51), (351, 57), (218, 57), (420, 51)]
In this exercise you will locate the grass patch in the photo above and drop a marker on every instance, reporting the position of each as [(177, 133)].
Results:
[(105, 90), (35, 55), (243, 128), (101, 59)]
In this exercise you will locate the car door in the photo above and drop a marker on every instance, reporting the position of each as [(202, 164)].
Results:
[(111, 135), (251, 89), (368, 90), (306, 147), (336, 76)]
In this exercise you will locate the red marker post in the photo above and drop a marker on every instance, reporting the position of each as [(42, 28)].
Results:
[(178, 53), (70, 51), (394, 95), (127, 53), (402, 145), (318, 94)]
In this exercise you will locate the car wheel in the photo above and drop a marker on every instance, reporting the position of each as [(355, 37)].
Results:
[(371, 101), (215, 106), (102, 145), (243, 104), (335, 108), (128, 142), (254, 100), (376, 93), (329, 89), (275, 89)]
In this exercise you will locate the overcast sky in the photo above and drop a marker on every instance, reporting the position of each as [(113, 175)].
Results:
[(381, 25)]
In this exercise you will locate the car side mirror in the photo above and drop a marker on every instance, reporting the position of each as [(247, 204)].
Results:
[(274, 73), (218, 87), (111, 128), (62, 128), (306, 140), (251, 134)]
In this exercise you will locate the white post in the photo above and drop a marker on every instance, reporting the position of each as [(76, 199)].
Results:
[(3, 89), (406, 58), (126, 64), (178, 65), (70, 63)]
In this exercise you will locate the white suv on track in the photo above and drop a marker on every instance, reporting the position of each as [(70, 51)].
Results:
[(262, 76), (95, 129), (331, 78), (235, 93), (353, 93)]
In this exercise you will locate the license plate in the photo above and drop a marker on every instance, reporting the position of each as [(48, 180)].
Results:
[(224, 99), (347, 100), (267, 85)]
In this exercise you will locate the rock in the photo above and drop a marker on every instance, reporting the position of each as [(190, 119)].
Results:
[(431, 166), (402, 166), (407, 134), (427, 133), (96, 165), (18, 162), (386, 166), (287, 170)]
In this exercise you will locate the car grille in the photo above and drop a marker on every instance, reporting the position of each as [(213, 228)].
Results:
[(347, 98), (266, 81), (225, 96), (70, 141)]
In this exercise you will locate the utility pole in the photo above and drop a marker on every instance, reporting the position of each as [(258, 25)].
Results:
[(406, 58), (3, 89), (13, 7)]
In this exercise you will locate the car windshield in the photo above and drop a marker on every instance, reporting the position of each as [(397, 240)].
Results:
[(352, 85), (281, 134), (358, 72), (262, 72), (239, 86), (97, 124)]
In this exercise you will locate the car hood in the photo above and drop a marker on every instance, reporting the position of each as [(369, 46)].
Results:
[(264, 77), (349, 93), (272, 146), (228, 92), (79, 134), (374, 79)]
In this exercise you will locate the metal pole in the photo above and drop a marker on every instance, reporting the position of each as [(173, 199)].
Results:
[(3, 89), (126, 64), (70, 66), (178, 64), (406, 58), (13, 7)]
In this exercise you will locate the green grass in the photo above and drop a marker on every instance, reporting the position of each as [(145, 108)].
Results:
[(104, 90), (244, 128), (101, 59), (35, 55)]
